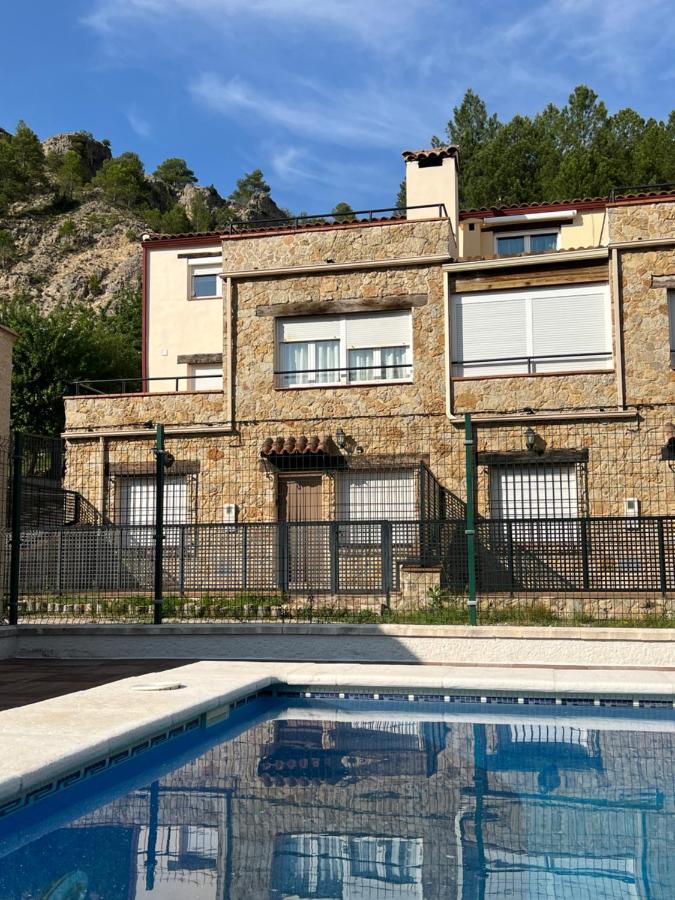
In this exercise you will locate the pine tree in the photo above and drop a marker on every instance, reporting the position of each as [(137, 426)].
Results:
[(342, 212), (122, 180), (251, 183), (174, 172)]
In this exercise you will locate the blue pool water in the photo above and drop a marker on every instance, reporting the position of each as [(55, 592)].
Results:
[(367, 800)]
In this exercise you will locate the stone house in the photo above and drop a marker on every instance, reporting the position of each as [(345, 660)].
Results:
[(320, 371)]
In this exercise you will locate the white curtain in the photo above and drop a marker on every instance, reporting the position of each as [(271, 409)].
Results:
[(294, 363), (393, 356), (359, 360), (327, 361)]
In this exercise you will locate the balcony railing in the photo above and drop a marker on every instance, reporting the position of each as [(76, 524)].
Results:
[(530, 362), (165, 384), (337, 376), (359, 215)]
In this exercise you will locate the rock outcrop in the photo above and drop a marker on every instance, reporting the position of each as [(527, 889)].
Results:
[(93, 153)]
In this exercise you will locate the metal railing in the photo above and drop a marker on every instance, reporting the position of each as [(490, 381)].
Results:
[(621, 190), (138, 385), (532, 361), (359, 215), (323, 377)]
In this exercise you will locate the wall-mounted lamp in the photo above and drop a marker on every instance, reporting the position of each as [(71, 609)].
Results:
[(530, 439), (340, 438)]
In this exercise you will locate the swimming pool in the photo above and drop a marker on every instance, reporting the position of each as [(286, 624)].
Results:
[(335, 798)]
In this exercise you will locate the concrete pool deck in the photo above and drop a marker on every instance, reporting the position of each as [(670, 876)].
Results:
[(44, 741)]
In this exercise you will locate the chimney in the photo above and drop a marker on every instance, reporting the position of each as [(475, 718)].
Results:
[(431, 178)]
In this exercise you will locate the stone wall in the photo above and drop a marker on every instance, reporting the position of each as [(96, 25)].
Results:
[(537, 392), (255, 394), (131, 411), (349, 243), (646, 339), (641, 221)]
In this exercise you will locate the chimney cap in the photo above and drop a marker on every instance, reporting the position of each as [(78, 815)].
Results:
[(445, 152)]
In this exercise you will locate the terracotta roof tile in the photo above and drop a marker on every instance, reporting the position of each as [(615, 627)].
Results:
[(431, 153), (291, 446)]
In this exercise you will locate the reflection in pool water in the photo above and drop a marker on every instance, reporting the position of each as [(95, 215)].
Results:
[(345, 802)]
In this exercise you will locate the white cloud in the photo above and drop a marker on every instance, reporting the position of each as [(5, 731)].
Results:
[(367, 116), (375, 22), (138, 123)]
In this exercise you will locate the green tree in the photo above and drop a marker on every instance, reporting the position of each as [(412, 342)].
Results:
[(401, 197), (174, 172), (173, 221), (70, 173), (8, 251), (201, 217), (122, 180), (249, 184), (22, 165), (342, 212), (68, 343)]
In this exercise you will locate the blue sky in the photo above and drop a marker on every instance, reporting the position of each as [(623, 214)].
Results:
[(321, 94)]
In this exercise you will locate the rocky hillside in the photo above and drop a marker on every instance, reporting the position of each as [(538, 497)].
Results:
[(76, 239)]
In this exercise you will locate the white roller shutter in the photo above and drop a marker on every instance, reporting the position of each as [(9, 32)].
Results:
[(384, 329), (571, 321), (525, 329), (317, 328), (489, 329), (671, 323)]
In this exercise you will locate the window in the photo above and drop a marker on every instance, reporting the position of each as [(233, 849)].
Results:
[(548, 492), (532, 331), (137, 508), (205, 278), (532, 242), (388, 496), (205, 378), (335, 350), (671, 326)]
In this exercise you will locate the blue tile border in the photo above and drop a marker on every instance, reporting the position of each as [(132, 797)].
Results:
[(409, 694)]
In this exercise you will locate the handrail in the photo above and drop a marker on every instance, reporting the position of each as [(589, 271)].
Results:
[(330, 217), (530, 359), (83, 387)]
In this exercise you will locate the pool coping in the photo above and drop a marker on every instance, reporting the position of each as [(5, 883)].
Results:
[(43, 742)]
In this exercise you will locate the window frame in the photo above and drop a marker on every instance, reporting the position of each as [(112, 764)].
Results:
[(343, 378), (139, 536), (463, 369), (193, 380), (196, 269), (358, 530), (527, 235)]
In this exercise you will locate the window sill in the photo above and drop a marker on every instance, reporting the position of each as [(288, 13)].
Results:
[(338, 385), (558, 374), (213, 297)]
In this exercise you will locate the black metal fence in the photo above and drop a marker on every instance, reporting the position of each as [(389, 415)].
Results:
[(138, 531)]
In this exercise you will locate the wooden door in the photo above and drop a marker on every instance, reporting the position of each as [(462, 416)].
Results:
[(300, 498), (300, 501)]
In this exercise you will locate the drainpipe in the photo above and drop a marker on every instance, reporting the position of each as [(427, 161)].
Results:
[(102, 460), (448, 346), (229, 355), (617, 313)]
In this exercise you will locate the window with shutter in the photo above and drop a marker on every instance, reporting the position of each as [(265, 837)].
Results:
[(340, 350), (549, 493), (532, 331), (137, 508), (388, 496), (205, 378)]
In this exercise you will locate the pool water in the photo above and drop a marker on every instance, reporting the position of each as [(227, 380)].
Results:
[(347, 800)]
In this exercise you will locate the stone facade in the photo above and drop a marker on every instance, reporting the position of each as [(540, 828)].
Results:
[(641, 221)]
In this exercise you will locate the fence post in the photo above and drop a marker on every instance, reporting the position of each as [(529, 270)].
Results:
[(283, 556), (470, 530), (15, 545), (158, 597), (585, 567), (663, 574), (334, 541), (387, 560)]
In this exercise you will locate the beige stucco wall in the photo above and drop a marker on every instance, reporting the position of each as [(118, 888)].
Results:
[(587, 229), (431, 185), (176, 324)]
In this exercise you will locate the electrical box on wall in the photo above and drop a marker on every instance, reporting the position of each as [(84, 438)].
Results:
[(631, 507), (230, 513)]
